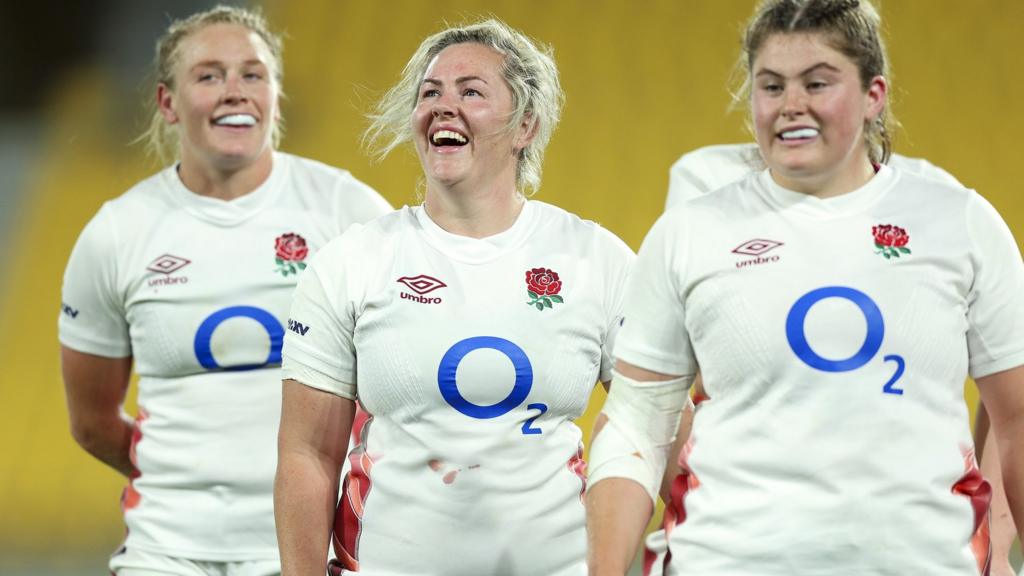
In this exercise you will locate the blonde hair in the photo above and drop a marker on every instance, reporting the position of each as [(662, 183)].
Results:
[(852, 27), (529, 70), (161, 139)]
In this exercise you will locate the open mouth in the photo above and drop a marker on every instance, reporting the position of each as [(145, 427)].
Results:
[(798, 134), (448, 138), (235, 120)]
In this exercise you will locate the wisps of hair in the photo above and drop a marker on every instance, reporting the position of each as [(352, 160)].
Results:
[(529, 69)]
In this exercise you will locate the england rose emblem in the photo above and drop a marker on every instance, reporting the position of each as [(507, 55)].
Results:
[(290, 251), (543, 286), (890, 241)]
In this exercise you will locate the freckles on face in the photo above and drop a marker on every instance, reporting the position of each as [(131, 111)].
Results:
[(462, 109)]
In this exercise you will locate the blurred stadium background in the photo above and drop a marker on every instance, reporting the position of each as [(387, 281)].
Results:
[(646, 81)]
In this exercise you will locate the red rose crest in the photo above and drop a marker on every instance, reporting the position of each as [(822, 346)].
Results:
[(543, 286), (890, 240), (290, 251)]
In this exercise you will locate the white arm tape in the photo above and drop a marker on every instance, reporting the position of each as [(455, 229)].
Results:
[(643, 418)]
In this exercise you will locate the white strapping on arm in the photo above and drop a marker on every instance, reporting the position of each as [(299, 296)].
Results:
[(643, 418)]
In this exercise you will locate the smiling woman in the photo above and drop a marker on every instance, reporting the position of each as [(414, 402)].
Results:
[(177, 277), (833, 438), (471, 462), (224, 94)]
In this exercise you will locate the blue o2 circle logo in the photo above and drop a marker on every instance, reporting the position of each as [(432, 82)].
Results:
[(450, 388), (872, 340), (204, 352), (798, 338)]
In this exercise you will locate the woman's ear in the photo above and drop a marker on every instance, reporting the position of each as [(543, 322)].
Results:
[(165, 103), (526, 132), (876, 96)]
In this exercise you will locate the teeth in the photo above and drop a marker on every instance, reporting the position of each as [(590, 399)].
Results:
[(236, 120), (447, 135), (799, 133)]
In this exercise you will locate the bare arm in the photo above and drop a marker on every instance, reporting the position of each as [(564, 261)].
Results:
[(672, 469), (1003, 529), (95, 388), (1003, 397), (312, 442), (618, 509)]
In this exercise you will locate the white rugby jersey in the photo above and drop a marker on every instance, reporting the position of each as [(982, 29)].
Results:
[(834, 337), (705, 169), (197, 291), (473, 357), (711, 167)]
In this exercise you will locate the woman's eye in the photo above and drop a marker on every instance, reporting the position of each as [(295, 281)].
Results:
[(772, 88), (816, 85), (430, 93), (205, 77), (253, 76), (471, 92)]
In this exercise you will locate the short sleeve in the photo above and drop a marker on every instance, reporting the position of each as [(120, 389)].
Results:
[(359, 202), (707, 169), (92, 317), (653, 334), (318, 345), (684, 182), (995, 314), (617, 281)]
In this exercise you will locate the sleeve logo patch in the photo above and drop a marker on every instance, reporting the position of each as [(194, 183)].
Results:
[(297, 327), (68, 310)]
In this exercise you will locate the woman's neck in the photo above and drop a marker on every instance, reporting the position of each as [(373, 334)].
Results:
[(204, 179), (476, 214), (829, 184)]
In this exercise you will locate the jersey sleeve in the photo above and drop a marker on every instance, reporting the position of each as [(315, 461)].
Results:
[(685, 182), (995, 313), (92, 318), (318, 345), (359, 202), (617, 281), (653, 334), (707, 169)]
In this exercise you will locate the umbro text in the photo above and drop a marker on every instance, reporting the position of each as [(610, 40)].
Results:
[(420, 299), (756, 261), (168, 280), (69, 310)]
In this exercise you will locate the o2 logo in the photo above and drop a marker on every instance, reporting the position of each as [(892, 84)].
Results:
[(201, 343), (520, 390), (872, 341)]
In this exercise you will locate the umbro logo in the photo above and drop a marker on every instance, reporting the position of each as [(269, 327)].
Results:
[(68, 310), (168, 264), (421, 285), (757, 247)]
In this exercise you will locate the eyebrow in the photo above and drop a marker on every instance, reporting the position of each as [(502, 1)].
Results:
[(815, 68), (459, 80), (221, 64)]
